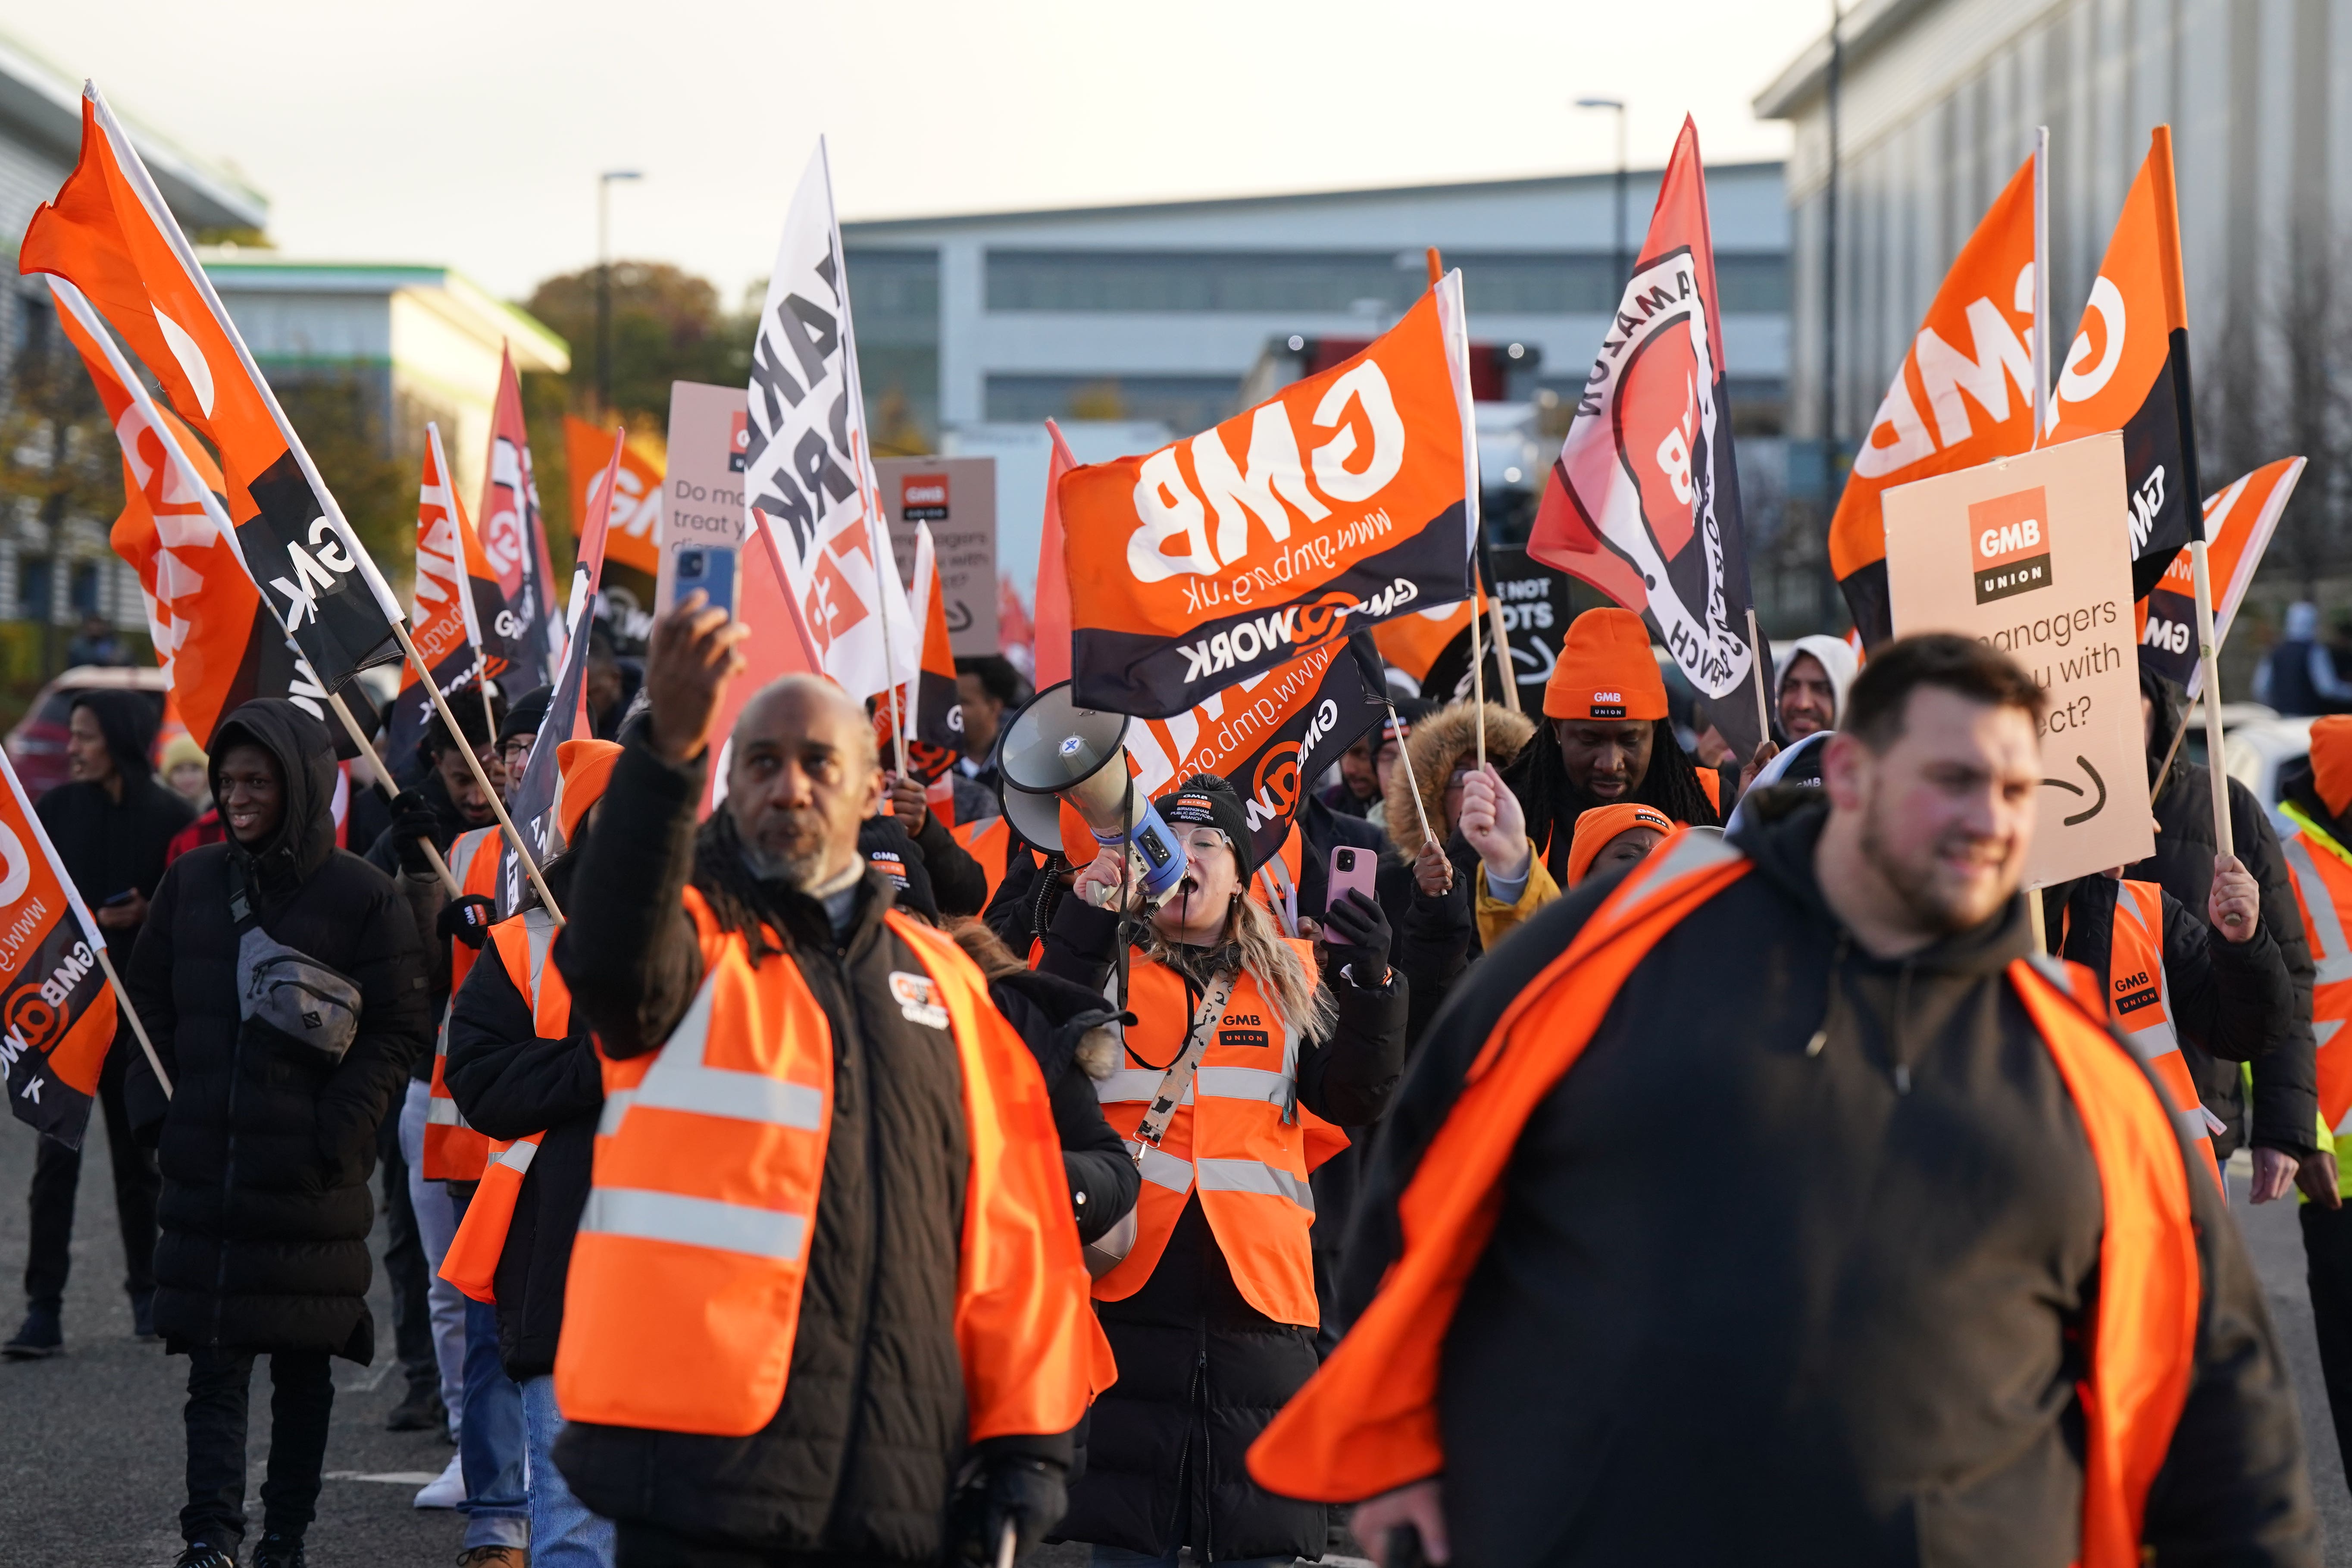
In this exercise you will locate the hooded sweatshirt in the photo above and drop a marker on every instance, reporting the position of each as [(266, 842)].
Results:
[(1848, 1330), (1837, 661)]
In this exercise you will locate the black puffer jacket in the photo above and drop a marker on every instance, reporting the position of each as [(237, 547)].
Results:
[(2286, 1076), (509, 1082), (1057, 1020), (1200, 1371), (856, 1463), (265, 1146)]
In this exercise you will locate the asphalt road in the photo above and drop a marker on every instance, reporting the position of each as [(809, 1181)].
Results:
[(90, 1445)]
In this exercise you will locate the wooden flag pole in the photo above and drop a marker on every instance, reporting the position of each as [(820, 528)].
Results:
[(474, 764), (1477, 578), (375, 760), (122, 1000), (2042, 322), (2208, 656), (1405, 755), (1763, 704), (1479, 685), (1504, 669)]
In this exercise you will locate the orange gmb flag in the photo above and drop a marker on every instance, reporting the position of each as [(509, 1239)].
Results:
[(108, 232), (218, 643), (1963, 396), (1050, 640), (1345, 501), (2238, 521), (456, 596), (634, 536), (2127, 368), (55, 1009)]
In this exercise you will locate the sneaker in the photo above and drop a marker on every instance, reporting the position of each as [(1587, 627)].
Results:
[(199, 1556), (493, 1557), (42, 1335), (422, 1410), (142, 1316), (278, 1551), (446, 1490)]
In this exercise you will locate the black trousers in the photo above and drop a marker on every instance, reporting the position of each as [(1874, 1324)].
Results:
[(57, 1175), (649, 1546), (403, 1262), (301, 1398), (2327, 1259)]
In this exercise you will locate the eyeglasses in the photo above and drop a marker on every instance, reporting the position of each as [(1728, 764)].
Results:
[(516, 750), (1202, 840)]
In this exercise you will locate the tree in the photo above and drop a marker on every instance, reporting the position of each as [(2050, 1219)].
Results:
[(667, 325)]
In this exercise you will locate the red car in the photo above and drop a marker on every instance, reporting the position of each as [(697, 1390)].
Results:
[(37, 746)]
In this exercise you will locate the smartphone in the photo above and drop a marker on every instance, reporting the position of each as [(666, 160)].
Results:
[(1352, 871), (712, 570)]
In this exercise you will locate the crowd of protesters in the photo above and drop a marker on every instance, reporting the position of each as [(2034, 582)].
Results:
[(1668, 1157)]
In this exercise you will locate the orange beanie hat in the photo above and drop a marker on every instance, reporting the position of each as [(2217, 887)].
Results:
[(1605, 670), (1597, 826), (586, 767), (2331, 760)]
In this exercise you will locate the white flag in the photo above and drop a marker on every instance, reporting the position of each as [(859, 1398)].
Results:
[(807, 473)]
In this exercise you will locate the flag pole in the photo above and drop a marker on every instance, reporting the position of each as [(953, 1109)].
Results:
[(383, 781), (474, 765), (2041, 281), (1478, 681), (1405, 755), (1763, 703), (122, 999), (2208, 656), (1478, 581)]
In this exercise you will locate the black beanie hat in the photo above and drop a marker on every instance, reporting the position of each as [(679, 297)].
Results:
[(529, 712), (1205, 800)]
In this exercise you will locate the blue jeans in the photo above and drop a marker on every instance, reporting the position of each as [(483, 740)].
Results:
[(564, 1534), (491, 1443), (1120, 1557)]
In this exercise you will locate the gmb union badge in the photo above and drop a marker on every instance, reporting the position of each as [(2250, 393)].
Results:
[(2009, 544), (917, 999)]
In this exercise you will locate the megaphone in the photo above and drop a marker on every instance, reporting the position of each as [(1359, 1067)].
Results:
[(1056, 752)]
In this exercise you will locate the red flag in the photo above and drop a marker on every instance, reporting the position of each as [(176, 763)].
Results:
[(1643, 500), (2238, 521), (514, 537), (55, 1006), (1050, 650), (1963, 395), (218, 643), (780, 643), (110, 232), (932, 698)]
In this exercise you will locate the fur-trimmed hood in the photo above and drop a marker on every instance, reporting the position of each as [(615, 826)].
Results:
[(1436, 748)]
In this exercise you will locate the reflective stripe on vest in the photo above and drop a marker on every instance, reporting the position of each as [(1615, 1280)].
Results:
[(2322, 888), (472, 1261), (1238, 1137), (2139, 1004), (1368, 1420), (454, 1151), (683, 1300)]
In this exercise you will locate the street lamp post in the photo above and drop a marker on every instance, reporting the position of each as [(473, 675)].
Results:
[(1624, 266), (604, 285)]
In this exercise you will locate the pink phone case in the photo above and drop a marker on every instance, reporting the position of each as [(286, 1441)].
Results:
[(1345, 879)]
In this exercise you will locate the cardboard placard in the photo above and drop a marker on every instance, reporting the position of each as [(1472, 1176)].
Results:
[(702, 493), (957, 496), (2032, 555), (1536, 613)]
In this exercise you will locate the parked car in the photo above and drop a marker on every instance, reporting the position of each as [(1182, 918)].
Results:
[(2256, 754), (37, 746)]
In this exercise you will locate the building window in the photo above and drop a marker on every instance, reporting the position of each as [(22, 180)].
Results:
[(81, 591), (896, 294), (1341, 282), (33, 580), (1182, 403)]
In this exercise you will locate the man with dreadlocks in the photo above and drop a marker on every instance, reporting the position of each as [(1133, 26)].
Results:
[(827, 1254), (1238, 1071), (1611, 744)]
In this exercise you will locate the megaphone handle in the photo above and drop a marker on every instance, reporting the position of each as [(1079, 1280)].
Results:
[(1126, 887)]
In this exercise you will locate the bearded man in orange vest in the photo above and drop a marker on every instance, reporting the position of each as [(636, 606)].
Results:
[(826, 1303), (1947, 1286)]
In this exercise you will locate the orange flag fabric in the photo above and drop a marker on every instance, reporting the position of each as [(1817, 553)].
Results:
[(55, 1007), (218, 643), (2127, 368), (108, 232), (1964, 395), (634, 534), (2238, 521), (456, 596), (1050, 644), (1345, 501)]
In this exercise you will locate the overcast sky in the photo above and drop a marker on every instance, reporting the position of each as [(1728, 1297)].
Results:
[(472, 132)]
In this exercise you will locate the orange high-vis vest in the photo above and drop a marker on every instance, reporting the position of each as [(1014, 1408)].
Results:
[(2139, 1005), (454, 1151), (986, 841), (1367, 1422), (1239, 1136), (472, 1261), (2321, 870), (684, 1294)]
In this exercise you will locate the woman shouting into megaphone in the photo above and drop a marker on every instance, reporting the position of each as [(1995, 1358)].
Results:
[(1241, 1062)]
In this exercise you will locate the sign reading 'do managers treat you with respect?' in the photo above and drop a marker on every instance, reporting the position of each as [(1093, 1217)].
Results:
[(2032, 555)]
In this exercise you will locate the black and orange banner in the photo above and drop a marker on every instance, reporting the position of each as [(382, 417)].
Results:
[(1345, 501), (57, 1013), (514, 537)]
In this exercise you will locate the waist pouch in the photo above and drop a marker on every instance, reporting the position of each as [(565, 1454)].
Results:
[(295, 995)]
